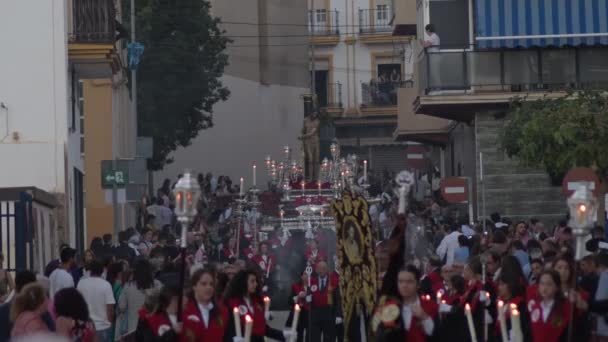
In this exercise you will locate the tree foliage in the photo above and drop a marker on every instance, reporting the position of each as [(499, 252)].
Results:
[(178, 78), (559, 134)]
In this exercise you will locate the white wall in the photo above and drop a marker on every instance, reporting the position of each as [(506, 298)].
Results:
[(33, 85), (256, 120)]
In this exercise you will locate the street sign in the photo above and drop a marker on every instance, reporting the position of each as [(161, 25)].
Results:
[(111, 177), (415, 156), (455, 189), (580, 176)]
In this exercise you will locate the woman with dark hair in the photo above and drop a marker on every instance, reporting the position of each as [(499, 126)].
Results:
[(550, 313), (579, 298), (73, 320), (160, 324), (406, 317), (512, 293), (96, 246), (245, 294), (134, 293), (89, 256), (205, 319)]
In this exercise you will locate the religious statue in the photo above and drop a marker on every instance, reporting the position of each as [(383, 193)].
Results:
[(310, 142)]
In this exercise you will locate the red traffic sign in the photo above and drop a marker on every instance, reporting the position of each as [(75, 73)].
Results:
[(455, 190), (580, 176), (415, 156)]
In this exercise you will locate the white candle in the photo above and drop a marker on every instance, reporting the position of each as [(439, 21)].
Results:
[(248, 327), (242, 186), (294, 324), (254, 176), (439, 297), (365, 171), (266, 305), (237, 321), (467, 311), (516, 335), (501, 320), (319, 185), (303, 187)]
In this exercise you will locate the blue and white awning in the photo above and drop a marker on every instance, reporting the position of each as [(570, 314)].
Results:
[(526, 23)]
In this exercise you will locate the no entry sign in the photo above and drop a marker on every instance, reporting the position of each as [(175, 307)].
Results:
[(580, 176), (415, 156), (455, 190)]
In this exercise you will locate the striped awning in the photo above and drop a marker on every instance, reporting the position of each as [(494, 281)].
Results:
[(526, 23)]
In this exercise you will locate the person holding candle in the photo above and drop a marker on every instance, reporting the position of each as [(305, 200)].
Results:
[(204, 319), (579, 298), (550, 313), (229, 252), (244, 294), (160, 324), (298, 296), (512, 293), (266, 262)]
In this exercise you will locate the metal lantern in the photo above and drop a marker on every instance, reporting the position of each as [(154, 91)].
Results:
[(187, 192), (583, 212)]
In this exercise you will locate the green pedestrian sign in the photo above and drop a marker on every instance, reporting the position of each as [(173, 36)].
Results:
[(111, 177)]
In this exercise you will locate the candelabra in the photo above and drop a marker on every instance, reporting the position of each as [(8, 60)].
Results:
[(341, 172), (249, 200), (283, 173)]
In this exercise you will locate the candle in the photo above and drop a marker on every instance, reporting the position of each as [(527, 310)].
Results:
[(303, 187), (439, 297), (242, 186), (516, 335), (254, 176), (365, 171), (501, 320), (294, 324), (467, 311), (237, 321), (266, 305), (248, 327), (281, 213), (319, 185)]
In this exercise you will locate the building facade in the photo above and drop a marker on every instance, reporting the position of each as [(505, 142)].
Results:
[(490, 53)]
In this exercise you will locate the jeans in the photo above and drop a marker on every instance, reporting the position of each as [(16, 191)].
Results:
[(105, 335)]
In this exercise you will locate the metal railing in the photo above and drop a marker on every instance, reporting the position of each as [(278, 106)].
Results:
[(93, 21), (375, 20), (545, 69), (381, 94), (323, 22), (334, 95)]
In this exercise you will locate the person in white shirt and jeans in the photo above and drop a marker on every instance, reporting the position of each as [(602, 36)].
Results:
[(60, 278), (97, 292), (449, 245)]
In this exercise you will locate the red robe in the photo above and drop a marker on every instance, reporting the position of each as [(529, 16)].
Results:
[(194, 328), (270, 263), (555, 326), (296, 289), (320, 298), (159, 323), (259, 321), (228, 253), (416, 332), (313, 258), (248, 253)]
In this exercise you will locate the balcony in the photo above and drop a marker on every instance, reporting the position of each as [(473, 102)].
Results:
[(92, 21), (324, 26), (376, 20), (463, 77), (91, 37), (380, 98), (404, 18), (418, 127)]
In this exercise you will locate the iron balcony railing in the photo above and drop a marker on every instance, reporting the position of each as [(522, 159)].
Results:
[(381, 93), (322, 22), (376, 20), (334, 95), (93, 21), (470, 70)]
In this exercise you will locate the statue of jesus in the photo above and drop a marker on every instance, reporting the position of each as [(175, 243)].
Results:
[(310, 141)]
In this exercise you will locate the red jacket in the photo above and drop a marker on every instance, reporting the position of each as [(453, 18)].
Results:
[(313, 258), (296, 289), (259, 321), (437, 283), (194, 327), (248, 253), (159, 323), (555, 326), (320, 298), (416, 332), (471, 294), (265, 265), (227, 253)]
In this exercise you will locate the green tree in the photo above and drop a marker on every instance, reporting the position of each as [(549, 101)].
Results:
[(178, 78), (559, 134)]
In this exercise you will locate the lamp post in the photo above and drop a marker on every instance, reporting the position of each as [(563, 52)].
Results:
[(187, 192), (583, 212)]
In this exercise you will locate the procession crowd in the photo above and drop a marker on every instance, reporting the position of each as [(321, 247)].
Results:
[(438, 275)]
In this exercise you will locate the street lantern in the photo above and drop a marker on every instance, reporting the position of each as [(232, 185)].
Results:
[(187, 192), (583, 212)]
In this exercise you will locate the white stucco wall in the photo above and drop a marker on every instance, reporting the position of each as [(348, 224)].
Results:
[(257, 120), (33, 85)]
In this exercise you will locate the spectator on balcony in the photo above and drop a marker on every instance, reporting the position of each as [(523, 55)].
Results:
[(431, 39), (431, 43)]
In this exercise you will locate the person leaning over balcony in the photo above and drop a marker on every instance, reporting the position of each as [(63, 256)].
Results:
[(431, 43)]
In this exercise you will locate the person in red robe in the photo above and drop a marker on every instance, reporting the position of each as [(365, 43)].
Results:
[(266, 262), (229, 252), (313, 254), (298, 296), (204, 319), (325, 313), (244, 294), (550, 312)]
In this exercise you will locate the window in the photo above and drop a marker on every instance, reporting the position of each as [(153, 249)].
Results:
[(318, 20), (80, 94), (382, 14)]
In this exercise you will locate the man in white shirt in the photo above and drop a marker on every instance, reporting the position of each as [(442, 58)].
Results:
[(98, 294), (449, 245), (60, 278)]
